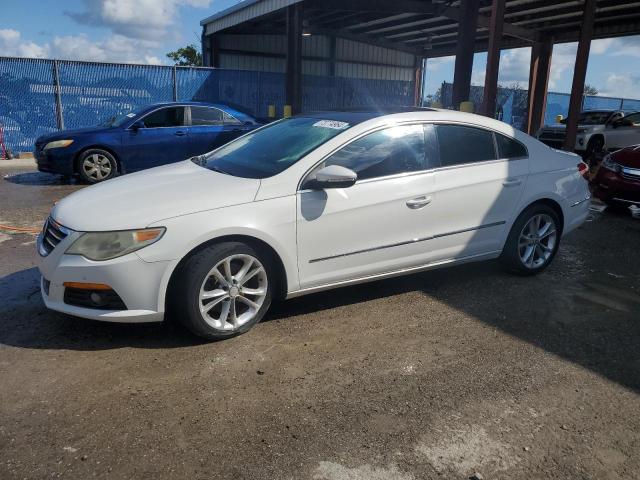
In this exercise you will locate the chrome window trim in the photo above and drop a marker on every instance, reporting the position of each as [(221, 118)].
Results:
[(417, 172), (407, 242)]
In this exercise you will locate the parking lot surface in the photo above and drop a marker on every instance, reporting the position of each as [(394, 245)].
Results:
[(436, 375)]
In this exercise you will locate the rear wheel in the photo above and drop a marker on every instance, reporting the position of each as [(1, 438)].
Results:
[(96, 165), (223, 290), (533, 241)]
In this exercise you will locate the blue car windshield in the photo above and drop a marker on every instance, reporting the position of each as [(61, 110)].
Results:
[(118, 120), (271, 149)]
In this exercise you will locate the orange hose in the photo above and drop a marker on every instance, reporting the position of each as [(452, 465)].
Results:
[(19, 229)]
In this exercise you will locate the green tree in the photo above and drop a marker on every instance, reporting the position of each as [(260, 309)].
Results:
[(186, 56), (590, 90)]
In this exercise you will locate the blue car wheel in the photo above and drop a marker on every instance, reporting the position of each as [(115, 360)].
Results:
[(96, 165)]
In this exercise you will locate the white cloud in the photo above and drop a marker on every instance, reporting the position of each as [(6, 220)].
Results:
[(115, 48), (514, 68), (12, 45), (434, 64), (145, 19), (626, 86)]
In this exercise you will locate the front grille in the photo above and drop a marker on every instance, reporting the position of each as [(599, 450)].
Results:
[(52, 234), (551, 135), (98, 299)]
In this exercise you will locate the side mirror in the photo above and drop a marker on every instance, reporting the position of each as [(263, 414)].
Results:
[(333, 176), (137, 125)]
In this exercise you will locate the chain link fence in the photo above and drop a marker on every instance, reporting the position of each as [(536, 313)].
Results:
[(43, 96)]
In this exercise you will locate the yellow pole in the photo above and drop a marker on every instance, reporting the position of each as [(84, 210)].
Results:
[(287, 111), (466, 106), (272, 111)]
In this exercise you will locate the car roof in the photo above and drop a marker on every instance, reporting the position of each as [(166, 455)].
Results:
[(358, 115)]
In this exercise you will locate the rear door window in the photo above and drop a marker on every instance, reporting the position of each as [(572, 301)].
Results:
[(509, 148), (205, 116), (165, 117), (461, 144)]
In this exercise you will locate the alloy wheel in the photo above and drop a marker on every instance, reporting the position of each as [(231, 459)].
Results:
[(97, 166), (233, 292), (537, 241)]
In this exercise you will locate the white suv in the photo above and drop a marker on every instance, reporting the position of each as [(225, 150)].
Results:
[(597, 130), (306, 204)]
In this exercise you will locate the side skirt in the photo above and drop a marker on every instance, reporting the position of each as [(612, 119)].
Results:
[(395, 273)]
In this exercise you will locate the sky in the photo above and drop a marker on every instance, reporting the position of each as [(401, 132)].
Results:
[(143, 31)]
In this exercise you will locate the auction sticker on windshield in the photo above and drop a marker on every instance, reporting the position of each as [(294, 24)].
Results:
[(336, 125)]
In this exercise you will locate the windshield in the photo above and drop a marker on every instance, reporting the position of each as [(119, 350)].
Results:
[(118, 120), (271, 149), (592, 118)]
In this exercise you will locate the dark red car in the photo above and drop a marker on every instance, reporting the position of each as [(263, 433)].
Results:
[(617, 181)]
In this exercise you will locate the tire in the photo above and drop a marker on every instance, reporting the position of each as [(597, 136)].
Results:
[(96, 165), (541, 246), (595, 145), (197, 276)]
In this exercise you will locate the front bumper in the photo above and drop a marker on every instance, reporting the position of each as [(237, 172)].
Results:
[(137, 282), (55, 160), (556, 140), (610, 186)]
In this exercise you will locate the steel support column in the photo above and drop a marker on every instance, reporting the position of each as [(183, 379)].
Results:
[(493, 59), (579, 73), (467, 27), (418, 75), (541, 53), (294, 57), (214, 51)]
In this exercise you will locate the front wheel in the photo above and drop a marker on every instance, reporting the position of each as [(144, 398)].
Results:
[(96, 165), (222, 290), (533, 241)]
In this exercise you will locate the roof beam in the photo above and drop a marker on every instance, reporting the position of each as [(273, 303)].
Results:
[(421, 7)]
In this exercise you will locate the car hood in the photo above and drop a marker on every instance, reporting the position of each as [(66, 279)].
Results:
[(628, 156), (65, 134), (140, 199)]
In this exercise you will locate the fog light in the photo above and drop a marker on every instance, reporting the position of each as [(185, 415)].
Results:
[(98, 299), (581, 141)]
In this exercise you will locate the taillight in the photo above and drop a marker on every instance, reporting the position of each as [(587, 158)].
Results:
[(583, 169)]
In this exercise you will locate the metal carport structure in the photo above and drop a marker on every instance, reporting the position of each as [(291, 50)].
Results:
[(428, 29)]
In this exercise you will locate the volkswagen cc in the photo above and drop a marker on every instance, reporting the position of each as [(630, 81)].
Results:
[(305, 204)]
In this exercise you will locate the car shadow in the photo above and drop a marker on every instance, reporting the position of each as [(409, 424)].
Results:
[(590, 319), (39, 179), (26, 323)]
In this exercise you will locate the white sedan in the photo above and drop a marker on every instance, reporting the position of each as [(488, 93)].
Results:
[(305, 204)]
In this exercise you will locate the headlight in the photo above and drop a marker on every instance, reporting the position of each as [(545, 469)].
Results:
[(108, 245), (609, 164), (58, 144)]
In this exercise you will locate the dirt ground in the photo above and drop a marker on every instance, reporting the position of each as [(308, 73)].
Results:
[(436, 375)]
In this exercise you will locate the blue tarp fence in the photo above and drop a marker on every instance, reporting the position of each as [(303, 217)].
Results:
[(512, 103), (41, 96)]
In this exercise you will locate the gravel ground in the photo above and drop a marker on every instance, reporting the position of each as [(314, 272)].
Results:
[(434, 375)]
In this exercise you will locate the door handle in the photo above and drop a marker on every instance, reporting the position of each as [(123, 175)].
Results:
[(419, 202), (512, 183), (180, 133)]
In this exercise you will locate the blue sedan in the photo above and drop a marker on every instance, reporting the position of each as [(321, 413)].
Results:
[(155, 135)]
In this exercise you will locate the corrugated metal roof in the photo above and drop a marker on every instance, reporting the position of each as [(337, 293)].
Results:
[(242, 12)]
